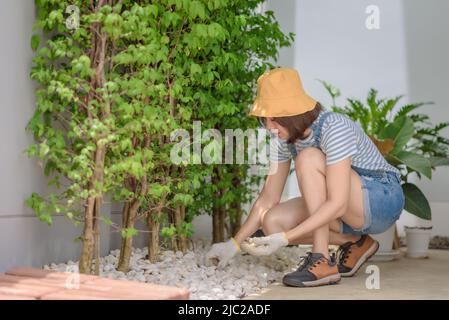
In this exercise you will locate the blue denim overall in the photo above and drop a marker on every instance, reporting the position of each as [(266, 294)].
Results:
[(383, 198)]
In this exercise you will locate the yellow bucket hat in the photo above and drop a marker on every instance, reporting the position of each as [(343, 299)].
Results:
[(280, 94)]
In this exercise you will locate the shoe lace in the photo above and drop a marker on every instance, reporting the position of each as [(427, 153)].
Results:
[(305, 261), (343, 252)]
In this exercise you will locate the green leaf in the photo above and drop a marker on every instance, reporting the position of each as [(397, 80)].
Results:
[(168, 231), (197, 10), (400, 131), (107, 221), (46, 218), (334, 92), (415, 201), (158, 190), (405, 110), (183, 198), (129, 232), (32, 150), (195, 68), (439, 161), (415, 161), (35, 40)]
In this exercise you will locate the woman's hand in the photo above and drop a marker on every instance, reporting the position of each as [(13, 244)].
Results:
[(222, 253), (263, 246)]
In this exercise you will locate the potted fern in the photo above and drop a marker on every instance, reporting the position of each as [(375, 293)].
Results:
[(409, 142)]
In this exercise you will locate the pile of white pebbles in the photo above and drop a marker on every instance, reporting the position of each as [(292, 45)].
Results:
[(244, 275)]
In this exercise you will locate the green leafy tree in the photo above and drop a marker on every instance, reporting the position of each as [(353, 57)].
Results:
[(116, 78), (73, 124), (230, 69)]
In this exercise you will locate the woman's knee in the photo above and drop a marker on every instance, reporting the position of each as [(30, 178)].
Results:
[(284, 216), (270, 222), (309, 158)]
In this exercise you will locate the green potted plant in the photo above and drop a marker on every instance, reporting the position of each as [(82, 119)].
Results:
[(409, 142)]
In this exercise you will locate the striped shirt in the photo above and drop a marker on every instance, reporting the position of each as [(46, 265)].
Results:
[(340, 138)]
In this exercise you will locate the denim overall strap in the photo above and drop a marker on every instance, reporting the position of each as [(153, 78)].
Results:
[(292, 148), (317, 127)]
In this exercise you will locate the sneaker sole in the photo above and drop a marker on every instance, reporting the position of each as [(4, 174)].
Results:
[(365, 257), (332, 279)]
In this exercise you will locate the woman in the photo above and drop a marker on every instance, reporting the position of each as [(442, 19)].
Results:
[(348, 190)]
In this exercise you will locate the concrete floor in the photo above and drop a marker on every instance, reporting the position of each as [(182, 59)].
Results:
[(404, 278)]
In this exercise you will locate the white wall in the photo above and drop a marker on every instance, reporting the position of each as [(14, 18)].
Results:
[(23, 240), (427, 47)]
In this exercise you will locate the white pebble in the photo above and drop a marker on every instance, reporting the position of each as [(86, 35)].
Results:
[(246, 274)]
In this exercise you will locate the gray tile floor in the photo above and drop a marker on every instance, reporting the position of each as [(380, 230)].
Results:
[(404, 278)]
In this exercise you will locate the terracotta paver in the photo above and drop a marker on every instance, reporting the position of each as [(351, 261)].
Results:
[(14, 297), (32, 283), (26, 290), (138, 288), (58, 283), (46, 274)]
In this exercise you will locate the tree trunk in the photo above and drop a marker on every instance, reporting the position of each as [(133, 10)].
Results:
[(125, 214), (215, 227), (218, 223), (131, 213), (237, 223), (179, 219), (153, 238), (174, 244), (127, 242), (85, 263), (96, 228), (97, 55), (218, 212), (222, 216)]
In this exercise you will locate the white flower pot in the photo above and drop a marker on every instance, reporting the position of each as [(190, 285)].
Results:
[(385, 239), (417, 241), (385, 251)]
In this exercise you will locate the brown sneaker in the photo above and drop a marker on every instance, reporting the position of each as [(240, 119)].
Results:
[(352, 255), (314, 270)]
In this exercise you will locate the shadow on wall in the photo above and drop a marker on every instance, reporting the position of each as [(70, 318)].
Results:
[(427, 48), (285, 12), (426, 30)]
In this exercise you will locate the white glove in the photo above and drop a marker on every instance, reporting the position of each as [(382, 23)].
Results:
[(262, 246), (223, 252)]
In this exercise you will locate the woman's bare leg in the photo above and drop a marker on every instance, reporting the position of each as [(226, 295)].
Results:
[(310, 165), (288, 214), (310, 168)]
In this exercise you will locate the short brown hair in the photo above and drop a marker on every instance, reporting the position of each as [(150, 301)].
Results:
[(296, 125)]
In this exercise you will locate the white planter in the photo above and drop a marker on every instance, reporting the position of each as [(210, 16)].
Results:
[(385, 252), (417, 241), (385, 239)]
